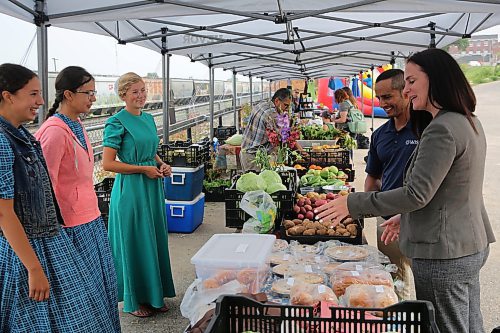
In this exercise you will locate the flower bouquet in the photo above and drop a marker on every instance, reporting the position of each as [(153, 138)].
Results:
[(283, 136)]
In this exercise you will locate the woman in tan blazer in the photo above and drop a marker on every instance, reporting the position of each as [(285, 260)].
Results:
[(443, 226)]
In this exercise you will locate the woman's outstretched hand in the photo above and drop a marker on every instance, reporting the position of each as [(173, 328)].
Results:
[(335, 211), (391, 231)]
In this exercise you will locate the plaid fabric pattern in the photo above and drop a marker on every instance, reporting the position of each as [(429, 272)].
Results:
[(6, 164), (91, 242), (76, 303), (261, 118), (75, 127)]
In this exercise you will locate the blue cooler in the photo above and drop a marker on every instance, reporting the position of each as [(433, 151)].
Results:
[(185, 216), (184, 184)]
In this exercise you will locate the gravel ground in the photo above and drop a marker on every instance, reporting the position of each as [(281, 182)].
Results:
[(183, 247)]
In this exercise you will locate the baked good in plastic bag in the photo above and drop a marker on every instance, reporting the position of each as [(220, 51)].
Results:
[(281, 257), (297, 248), (311, 294), (340, 279), (369, 296), (280, 245)]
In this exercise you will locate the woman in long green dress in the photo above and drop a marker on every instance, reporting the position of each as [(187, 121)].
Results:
[(137, 221)]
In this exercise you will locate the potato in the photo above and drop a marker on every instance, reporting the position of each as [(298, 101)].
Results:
[(347, 234), (331, 232), (353, 229), (309, 232), (348, 221), (321, 232), (297, 221), (288, 224), (341, 230)]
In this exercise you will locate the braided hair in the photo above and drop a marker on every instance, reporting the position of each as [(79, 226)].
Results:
[(70, 78)]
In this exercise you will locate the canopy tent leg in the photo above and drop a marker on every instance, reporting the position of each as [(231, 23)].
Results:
[(373, 101), (43, 57), (165, 60), (362, 95), (236, 123), (251, 90), (211, 92), (270, 90), (261, 88)]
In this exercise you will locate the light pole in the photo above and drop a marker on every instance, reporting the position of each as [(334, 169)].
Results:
[(55, 65)]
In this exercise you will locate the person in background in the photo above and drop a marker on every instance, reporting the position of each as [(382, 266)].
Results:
[(391, 146), (45, 283), (443, 227), (342, 99), (296, 100), (70, 161), (368, 80), (137, 220), (326, 116), (350, 95)]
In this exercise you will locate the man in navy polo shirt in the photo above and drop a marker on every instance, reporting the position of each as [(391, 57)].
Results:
[(391, 147)]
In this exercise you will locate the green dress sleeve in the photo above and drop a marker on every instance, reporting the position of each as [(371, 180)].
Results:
[(113, 133)]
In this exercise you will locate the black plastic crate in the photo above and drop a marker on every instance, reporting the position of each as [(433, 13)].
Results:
[(222, 133), (215, 194), (235, 216), (337, 157), (185, 153), (348, 170), (103, 193), (358, 240), (235, 314)]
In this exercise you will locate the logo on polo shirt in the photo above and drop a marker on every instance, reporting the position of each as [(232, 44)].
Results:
[(411, 142)]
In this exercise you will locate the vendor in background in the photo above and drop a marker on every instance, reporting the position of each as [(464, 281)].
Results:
[(326, 116), (342, 99), (263, 117), (391, 147), (350, 95), (296, 100)]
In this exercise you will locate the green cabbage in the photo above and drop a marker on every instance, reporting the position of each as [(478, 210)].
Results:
[(250, 182), (270, 177), (271, 188), (235, 140)]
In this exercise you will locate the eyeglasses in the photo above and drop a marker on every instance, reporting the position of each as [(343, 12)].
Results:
[(89, 93)]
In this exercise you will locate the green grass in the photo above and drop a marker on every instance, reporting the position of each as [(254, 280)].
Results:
[(481, 74)]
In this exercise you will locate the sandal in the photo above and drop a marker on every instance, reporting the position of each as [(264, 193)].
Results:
[(163, 309), (143, 312)]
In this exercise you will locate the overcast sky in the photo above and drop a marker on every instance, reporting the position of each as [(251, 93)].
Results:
[(99, 54)]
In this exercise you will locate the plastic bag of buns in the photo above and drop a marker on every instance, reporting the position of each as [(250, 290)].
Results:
[(369, 296), (311, 294), (362, 265), (341, 279)]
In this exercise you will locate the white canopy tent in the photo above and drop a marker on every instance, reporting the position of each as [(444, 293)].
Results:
[(267, 39)]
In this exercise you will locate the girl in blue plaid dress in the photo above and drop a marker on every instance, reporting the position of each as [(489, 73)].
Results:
[(45, 286), (66, 148)]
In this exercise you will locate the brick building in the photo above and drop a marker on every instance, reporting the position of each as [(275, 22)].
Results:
[(483, 48)]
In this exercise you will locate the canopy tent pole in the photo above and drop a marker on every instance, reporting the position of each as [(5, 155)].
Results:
[(236, 124), (362, 96), (261, 88), (43, 56), (251, 90), (211, 92), (270, 90), (373, 96), (165, 61)]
